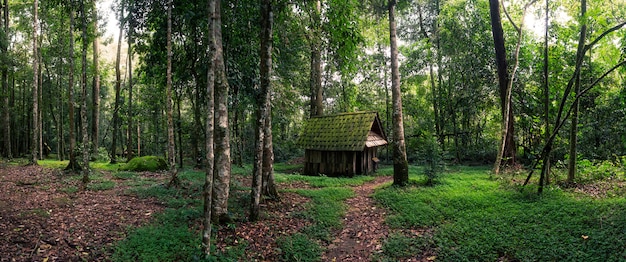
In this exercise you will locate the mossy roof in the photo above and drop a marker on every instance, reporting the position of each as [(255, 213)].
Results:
[(343, 132)]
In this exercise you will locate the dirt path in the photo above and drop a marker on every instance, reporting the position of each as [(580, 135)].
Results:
[(363, 227)]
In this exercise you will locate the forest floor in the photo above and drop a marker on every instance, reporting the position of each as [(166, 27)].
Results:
[(44, 217), (364, 226)]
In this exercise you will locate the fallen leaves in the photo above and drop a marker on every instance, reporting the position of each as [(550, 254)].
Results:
[(41, 222)]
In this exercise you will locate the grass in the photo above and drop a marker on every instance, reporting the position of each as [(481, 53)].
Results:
[(474, 219), (56, 164)]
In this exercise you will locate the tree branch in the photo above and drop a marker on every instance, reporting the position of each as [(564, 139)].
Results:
[(610, 30)]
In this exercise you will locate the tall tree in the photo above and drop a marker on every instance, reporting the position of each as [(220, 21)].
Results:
[(35, 134), (6, 115), (571, 167), (118, 84), (207, 192), (507, 149), (400, 163), (221, 187), (129, 132), (95, 91), (546, 90), (73, 163), (171, 152), (262, 106), (83, 107), (315, 41)]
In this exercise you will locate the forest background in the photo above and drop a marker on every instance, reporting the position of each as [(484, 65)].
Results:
[(450, 88)]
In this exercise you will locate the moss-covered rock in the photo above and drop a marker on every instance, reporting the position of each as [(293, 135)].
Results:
[(145, 163)]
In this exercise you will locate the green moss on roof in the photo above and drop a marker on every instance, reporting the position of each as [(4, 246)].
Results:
[(342, 132)]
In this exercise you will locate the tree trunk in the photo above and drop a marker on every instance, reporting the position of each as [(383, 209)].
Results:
[(129, 140), (571, 172), (317, 99), (268, 188), (221, 187), (118, 83), (73, 163), (35, 134), (171, 151), (83, 107), (95, 116), (207, 191), (507, 149), (262, 103), (546, 91), (6, 113), (400, 164)]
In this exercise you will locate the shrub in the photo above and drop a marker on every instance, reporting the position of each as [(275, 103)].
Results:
[(145, 163)]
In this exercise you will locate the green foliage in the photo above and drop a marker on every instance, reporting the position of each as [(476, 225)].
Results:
[(433, 161), (145, 163), (299, 247), (324, 181), (102, 155), (124, 175), (167, 239), (398, 247), (474, 219), (100, 185)]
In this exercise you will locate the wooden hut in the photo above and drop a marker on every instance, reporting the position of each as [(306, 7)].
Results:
[(342, 145)]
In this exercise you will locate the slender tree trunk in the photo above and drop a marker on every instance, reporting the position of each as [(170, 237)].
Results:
[(129, 140), (317, 99), (179, 129), (268, 188), (118, 84), (400, 164), (221, 187), (262, 102), (95, 116), (571, 171), (35, 134), (503, 81), (209, 164), (171, 151), (73, 163), (546, 91), (6, 113), (83, 108)]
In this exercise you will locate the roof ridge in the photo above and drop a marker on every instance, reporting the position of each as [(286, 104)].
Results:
[(346, 113)]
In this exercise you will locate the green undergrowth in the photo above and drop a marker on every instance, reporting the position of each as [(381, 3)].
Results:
[(145, 163), (474, 218), (56, 164), (174, 234), (325, 210)]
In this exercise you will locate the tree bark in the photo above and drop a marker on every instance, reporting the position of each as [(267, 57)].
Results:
[(268, 188), (73, 163), (83, 108), (95, 116), (171, 151), (129, 140), (207, 191), (571, 170), (317, 97), (546, 91), (400, 164), (506, 149), (35, 134), (118, 84), (221, 186), (262, 106), (6, 114)]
